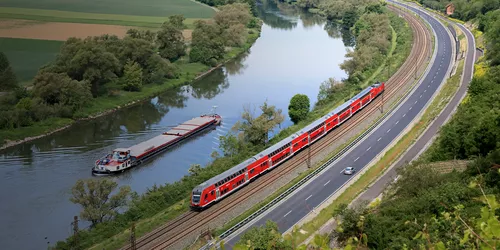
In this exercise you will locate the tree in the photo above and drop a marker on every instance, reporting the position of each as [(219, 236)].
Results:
[(147, 35), (298, 108), (170, 39), (59, 88), (264, 237), (255, 130), (233, 14), (207, 44), (93, 64), (94, 196), (230, 145), (8, 79), (132, 76)]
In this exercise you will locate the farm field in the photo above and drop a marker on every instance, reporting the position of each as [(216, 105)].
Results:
[(155, 8), (89, 18), (27, 55)]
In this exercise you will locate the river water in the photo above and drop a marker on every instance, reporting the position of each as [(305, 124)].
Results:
[(294, 54)]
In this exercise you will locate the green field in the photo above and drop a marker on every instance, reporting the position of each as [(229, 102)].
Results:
[(80, 17), (155, 8), (26, 56)]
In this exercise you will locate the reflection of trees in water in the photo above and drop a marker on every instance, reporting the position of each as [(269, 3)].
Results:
[(309, 19), (236, 66), (266, 10), (335, 30), (210, 86)]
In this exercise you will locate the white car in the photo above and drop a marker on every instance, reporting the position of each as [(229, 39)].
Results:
[(349, 170)]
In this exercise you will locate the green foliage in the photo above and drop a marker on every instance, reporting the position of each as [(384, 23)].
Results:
[(94, 196), (8, 79), (207, 44), (475, 128), (132, 76), (59, 89), (255, 130), (263, 237), (208, 39), (298, 108), (170, 39)]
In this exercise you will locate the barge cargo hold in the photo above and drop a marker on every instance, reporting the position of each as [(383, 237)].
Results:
[(125, 158)]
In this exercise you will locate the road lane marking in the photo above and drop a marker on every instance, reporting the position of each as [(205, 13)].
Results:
[(388, 130), (287, 213), (420, 96), (425, 90), (411, 108), (415, 102), (397, 122), (356, 159), (368, 148), (404, 114), (309, 197), (326, 183), (379, 139)]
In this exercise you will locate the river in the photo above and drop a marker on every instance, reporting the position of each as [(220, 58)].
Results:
[(294, 54)]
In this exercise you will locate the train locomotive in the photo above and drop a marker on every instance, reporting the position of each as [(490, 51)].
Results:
[(230, 181)]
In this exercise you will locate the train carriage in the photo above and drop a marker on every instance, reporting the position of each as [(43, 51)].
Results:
[(231, 180)]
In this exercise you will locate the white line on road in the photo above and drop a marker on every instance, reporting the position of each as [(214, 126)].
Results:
[(404, 114), (326, 183), (425, 90), (420, 96), (309, 197), (397, 122), (368, 148), (379, 139), (415, 102), (388, 130), (411, 108), (356, 159), (287, 213)]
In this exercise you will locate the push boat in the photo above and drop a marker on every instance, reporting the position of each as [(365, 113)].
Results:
[(122, 159)]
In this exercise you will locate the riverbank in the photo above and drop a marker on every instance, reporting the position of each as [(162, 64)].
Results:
[(101, 106)]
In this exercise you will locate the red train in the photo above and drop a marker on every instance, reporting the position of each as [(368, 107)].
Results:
[(231, 180)]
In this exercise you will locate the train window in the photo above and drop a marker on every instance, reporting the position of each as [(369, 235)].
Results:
[(251, 171), (304, 140), (295, 145), (206, 196), (212, 193)]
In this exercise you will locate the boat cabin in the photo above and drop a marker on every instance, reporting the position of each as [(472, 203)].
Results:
[(121, 154)]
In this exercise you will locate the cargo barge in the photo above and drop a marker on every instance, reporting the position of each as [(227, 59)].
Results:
[(122, 159)]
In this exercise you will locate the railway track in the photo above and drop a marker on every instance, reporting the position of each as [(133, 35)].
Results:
[(191, 222)]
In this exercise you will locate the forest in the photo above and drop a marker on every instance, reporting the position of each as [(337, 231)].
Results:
[(108, 67), (427, 208)]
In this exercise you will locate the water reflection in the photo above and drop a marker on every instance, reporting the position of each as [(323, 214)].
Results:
[(293, 55)]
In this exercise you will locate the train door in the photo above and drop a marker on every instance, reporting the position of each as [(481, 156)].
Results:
[(217, 193), (246, 176)]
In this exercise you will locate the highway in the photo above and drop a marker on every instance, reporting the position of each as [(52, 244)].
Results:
[(299, 204), (378, 187)]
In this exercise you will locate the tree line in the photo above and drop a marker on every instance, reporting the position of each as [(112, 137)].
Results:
[(425, 208), (102, 66)]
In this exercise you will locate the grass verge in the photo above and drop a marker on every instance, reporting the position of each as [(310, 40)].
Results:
[(389, 157), (90, 18)]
